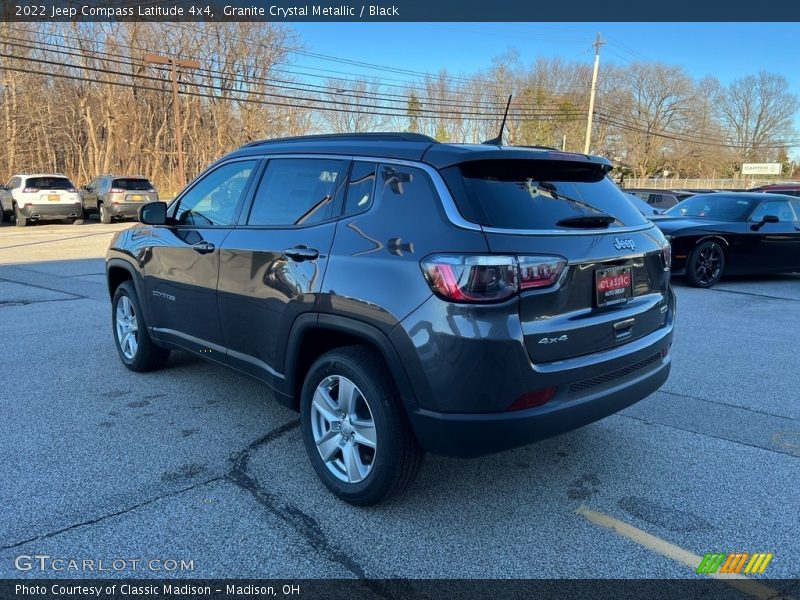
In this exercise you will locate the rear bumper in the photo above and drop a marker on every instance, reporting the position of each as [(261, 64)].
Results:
[(126, 209), (56, 210), (465, 384), (470, 435)]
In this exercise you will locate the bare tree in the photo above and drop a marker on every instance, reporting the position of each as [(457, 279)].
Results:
[(757, 111)]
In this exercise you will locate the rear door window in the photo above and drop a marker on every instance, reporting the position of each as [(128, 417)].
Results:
[(536, 194), (297, 191)]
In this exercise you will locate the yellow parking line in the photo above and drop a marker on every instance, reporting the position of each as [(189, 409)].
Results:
[(676, 553)]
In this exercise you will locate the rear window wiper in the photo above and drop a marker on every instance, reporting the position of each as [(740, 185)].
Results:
[(587, 221)]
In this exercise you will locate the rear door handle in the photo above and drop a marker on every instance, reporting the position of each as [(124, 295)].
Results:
[(301, 253), (203, 247)]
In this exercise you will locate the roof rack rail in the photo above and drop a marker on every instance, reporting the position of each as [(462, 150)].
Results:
[(388, 136)]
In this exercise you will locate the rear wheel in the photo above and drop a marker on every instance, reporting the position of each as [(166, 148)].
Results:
[(4, 216), (136, 350), (105, 216), (706, 264), (19, 219), (355, 432)]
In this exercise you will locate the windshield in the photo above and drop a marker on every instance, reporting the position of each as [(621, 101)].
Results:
[(723, 207), (139, 185), (537, 194), (49, 183)]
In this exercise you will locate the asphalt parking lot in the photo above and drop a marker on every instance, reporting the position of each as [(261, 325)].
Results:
[(196, 463)]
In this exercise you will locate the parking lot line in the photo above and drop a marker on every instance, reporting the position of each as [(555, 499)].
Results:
[(676, 553)]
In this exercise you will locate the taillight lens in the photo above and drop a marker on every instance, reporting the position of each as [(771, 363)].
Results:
[(666, 257), (539, 271), (72, 191), (489, 278), (30, 190)]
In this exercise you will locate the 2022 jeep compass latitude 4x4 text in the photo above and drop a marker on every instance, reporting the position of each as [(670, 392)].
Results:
[(404, 295)]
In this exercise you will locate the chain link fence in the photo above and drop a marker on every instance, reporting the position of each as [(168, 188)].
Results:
[(681, 183)]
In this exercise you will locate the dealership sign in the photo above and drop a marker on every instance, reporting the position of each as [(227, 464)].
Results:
[(761, 169)]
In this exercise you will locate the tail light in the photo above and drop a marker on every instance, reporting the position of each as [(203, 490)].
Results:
[(72, 191), (30, 190), (489, 278), (116, 191), (666, 257), (151, 191)]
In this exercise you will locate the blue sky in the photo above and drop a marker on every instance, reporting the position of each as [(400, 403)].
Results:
[(725, 50)]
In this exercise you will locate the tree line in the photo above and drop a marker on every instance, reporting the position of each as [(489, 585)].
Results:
[(80, 99)]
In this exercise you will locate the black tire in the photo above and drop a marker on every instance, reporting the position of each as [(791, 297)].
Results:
[(397, 456), (18, 218), (4, 216), (147, 356), (105, 216), (706, 265)]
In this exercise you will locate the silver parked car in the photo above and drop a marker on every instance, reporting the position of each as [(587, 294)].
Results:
[(116, 197)]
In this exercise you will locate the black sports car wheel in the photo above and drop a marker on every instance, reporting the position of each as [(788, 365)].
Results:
[(706, 265)]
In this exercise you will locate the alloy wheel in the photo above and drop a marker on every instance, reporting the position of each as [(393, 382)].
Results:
[(127, 328), (344, 429), (708, 264)]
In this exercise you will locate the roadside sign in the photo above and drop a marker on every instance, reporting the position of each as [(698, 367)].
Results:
[(761, 169)]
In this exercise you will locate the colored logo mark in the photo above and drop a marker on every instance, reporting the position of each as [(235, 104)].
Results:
[(734, 562)]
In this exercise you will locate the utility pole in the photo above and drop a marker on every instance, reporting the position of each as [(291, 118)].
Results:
[(597, 45), (176, 109)]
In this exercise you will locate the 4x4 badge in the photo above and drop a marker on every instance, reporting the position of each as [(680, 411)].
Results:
[(624, 244), (555, 340)]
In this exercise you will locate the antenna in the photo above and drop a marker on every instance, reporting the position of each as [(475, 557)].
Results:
[(498, 141)]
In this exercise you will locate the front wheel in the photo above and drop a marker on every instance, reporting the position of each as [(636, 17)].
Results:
[(134, 346), (706, 265), (354, 429)]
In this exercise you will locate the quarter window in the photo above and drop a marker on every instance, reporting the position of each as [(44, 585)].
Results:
[(360, 189), (297, 191), (215, 198)]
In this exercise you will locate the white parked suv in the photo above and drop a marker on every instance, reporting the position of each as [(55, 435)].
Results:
[(33, 197)]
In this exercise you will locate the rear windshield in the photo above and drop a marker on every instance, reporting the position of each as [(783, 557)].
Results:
[(536, 194), (138, 185), (49, 183), (713, 206)]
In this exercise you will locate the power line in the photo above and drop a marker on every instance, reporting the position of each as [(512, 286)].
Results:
[(628, 123), (458, 109), (492, 106)]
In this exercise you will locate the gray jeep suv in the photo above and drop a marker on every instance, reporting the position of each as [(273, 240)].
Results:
[(404, 295)]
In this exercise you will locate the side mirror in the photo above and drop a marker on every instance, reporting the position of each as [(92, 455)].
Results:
[(766, 219), (153, 213)]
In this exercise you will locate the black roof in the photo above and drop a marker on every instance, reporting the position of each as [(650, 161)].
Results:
[(406, 146)]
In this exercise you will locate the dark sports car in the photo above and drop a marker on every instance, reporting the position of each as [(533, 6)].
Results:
[(732, 233)]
